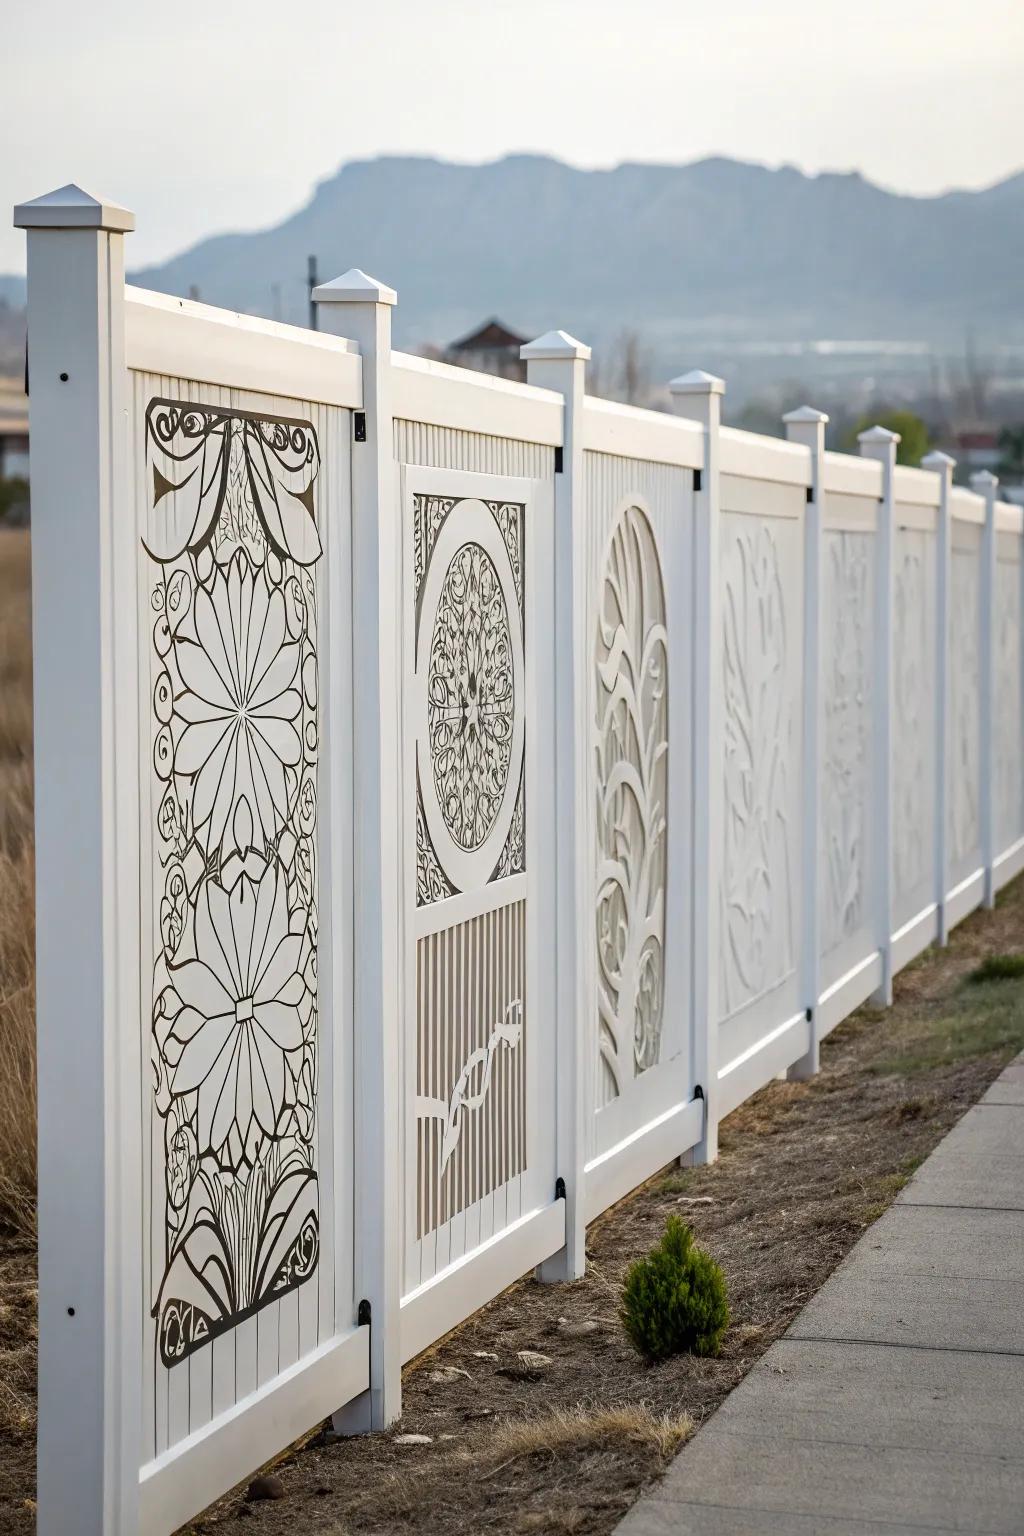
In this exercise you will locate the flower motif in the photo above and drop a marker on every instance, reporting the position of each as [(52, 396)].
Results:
[(232, 1018), (470, 697), (240, 704)]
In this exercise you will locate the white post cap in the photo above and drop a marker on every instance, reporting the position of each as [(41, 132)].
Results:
[(696, 383), (984, 480), (805, 414), (71, 208), (354, 287), (878, 435), (554, 345), (938, 461)]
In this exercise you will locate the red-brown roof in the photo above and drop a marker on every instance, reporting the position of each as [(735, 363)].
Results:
[(491, 336)]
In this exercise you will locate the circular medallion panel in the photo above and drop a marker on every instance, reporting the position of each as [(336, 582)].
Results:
[(470, 716)]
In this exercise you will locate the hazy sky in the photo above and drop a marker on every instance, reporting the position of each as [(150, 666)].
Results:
[(209, 117)]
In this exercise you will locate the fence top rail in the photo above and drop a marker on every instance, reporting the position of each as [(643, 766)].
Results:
[(846, 475), (916, 487), (184, 339), (1009, 517), (753, 457), (441, 395), (630, 432), (966, 505)]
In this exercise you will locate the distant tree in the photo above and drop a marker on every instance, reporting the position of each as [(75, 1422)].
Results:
[(914, 437), (1011, 453)]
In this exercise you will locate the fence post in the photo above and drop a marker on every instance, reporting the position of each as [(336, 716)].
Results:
[(943, 466), (557, 361), (881, 444), (698, 396), (85, 660), (807, 426), (377, 845), (987, 485)]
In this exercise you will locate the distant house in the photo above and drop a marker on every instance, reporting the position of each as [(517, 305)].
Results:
[(974, 450), (492, 348)]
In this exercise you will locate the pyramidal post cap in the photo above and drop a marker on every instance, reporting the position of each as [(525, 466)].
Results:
[(984, 480), (71, 208), (938, 461), (697, 382), (878, 434), (554, 345), (805, 413), (355, 287)]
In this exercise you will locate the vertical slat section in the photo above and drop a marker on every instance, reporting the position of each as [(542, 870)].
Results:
[(450, 448)]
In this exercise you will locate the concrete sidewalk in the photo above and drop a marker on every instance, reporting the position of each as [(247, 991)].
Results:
[(896, 1401)]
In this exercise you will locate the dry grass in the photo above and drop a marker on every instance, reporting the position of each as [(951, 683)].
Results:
[(17, 913), (580, 1428)]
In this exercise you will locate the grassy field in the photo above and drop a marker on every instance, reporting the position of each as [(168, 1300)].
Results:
[(17, 928)]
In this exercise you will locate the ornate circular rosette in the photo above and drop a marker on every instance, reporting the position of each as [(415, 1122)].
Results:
[(470, 687)]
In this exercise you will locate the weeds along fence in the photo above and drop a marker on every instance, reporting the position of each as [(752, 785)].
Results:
[(454, 797)]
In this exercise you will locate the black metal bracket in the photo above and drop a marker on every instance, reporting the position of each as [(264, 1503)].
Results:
[(698, 479), (810, 1015), (698, 1092), (810, 493), (359, 426), (559, 459), (559, 1189), (363, 1316)]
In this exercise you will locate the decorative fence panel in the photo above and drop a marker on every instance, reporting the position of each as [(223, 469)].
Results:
[(914, 678), (964, 817), (638, 560), (846, 874), (233, 490), (480, 732), (762, 681), (453, 797)]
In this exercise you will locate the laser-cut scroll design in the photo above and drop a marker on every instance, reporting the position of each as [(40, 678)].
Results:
[(631, 747), (757, 937), (232, 533), (847, 616), (913, 831)]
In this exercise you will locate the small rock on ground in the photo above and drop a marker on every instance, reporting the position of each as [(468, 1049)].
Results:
[(269, 1486)]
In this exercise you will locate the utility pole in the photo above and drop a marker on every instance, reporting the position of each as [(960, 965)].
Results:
[(312, 280)]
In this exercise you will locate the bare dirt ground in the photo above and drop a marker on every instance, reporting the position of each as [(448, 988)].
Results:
[(804, 1168)]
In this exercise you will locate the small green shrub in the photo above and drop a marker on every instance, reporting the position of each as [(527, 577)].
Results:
[(674, 1300), (999, 968)]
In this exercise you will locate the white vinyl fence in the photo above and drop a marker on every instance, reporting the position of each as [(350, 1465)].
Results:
[(453, 798)]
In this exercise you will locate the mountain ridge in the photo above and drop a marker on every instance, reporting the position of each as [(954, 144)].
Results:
[(706, 255)]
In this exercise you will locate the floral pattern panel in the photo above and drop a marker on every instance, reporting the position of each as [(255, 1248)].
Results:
[(631, 746), (847, 611), (761, 756), (231, 544)]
